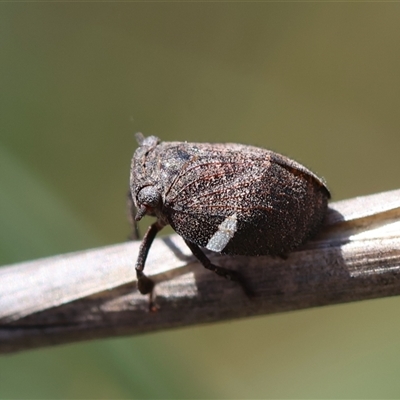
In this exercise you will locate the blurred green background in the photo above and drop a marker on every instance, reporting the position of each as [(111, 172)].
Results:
[(317, 82)]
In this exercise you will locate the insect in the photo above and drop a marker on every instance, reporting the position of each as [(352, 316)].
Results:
[(228, 198)]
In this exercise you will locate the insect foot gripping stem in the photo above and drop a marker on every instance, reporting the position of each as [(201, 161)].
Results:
[(145, 284), (229, 198)]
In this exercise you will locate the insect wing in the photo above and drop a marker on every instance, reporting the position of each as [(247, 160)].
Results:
[(235, 202), (217, 193)]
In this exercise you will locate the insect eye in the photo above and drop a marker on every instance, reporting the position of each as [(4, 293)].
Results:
[(149, 196)]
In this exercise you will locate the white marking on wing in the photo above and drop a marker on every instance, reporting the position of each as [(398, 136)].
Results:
[(224, 234)]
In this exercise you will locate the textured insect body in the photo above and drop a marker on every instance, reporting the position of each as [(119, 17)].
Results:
[(228, 198)]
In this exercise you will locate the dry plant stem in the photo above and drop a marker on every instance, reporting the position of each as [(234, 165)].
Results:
[(92, 294)]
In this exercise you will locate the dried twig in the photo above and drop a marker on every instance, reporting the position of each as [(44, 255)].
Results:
[(92, 294)]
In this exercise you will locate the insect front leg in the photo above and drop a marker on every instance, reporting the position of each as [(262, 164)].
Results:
[(145, 284), (130, 206), (224, 272)]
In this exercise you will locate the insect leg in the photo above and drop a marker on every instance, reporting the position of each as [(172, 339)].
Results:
[(130, 206), (145, 284), (225, 272)]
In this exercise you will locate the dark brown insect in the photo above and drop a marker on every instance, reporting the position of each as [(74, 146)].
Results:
[(228, 198)]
